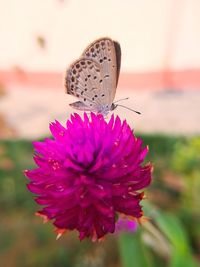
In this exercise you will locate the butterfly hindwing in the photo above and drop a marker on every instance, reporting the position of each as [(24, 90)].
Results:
[(80, 106), (84, 80)]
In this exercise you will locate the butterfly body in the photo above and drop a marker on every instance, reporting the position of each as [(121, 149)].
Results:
[(93, 77)]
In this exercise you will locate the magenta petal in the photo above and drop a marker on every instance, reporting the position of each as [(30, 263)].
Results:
[(88, 173)]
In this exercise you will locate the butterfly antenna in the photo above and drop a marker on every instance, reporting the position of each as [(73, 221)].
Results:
[(128, 108), (121, 100)]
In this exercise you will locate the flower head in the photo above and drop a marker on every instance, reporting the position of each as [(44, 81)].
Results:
[(88, 174), (126, 225)]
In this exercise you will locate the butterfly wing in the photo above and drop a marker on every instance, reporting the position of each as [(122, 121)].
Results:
[(107, 54), (80, 106), (118, 54), (85, 81)]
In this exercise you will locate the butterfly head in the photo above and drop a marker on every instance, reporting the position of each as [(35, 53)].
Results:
[(105, 109), (113, 106)]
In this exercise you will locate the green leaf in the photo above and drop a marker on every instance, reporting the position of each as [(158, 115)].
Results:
[(174, 231), (133, 252), (182, 260), (181, 255)]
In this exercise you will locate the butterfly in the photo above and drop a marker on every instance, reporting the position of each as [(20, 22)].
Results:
[(94, 76)]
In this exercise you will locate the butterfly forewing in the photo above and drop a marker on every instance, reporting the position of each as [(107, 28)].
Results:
[(118, 59), (103, 51)]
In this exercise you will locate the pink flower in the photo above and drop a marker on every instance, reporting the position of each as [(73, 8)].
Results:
[(124, 224), (89, 173)]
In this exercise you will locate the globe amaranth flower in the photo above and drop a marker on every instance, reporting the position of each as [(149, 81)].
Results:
[(125, 225), (89, 174)]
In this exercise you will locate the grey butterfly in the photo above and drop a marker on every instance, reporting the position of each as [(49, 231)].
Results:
[(94, 76)]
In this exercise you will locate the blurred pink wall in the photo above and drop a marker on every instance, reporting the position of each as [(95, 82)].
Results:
[(157, 36)]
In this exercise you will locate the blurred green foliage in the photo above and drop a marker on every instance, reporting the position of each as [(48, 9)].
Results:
[(171, 238)]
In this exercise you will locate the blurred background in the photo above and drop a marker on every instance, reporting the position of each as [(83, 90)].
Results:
[(160, 74)]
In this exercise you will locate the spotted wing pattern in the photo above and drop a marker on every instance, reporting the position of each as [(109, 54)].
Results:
[(93, 77), (84, 80), (103, 51)]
